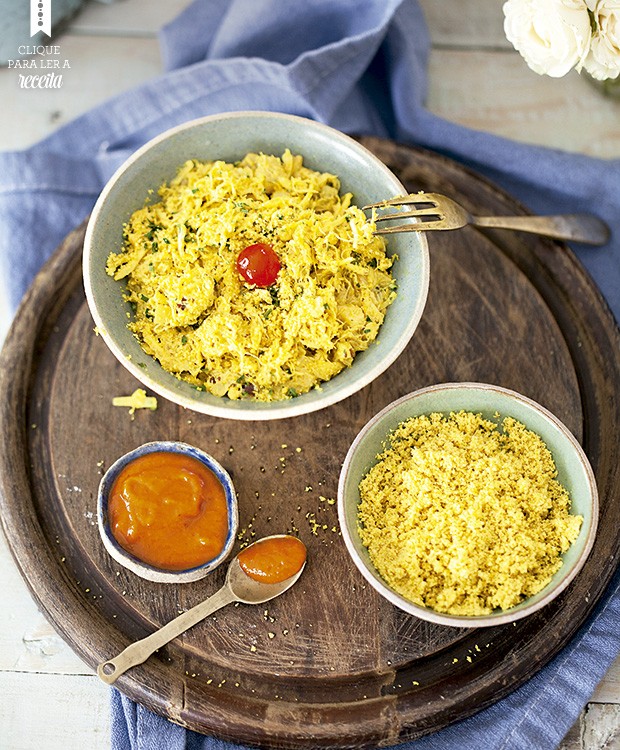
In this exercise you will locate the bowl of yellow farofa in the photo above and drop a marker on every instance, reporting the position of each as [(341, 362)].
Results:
[(229, 266), (467, 504)]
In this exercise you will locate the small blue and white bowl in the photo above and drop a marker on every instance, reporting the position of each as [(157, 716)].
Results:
[(139, 567)]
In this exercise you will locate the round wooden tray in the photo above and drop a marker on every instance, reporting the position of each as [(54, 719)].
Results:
[(329, 664)]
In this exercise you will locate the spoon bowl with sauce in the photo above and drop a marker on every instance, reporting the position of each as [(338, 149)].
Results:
[(259, 573)]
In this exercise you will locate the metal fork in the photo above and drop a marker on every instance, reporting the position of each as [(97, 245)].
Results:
[(435, 211)]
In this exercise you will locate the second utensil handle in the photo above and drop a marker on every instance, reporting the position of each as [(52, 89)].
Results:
[(584, 228), (138, 652)]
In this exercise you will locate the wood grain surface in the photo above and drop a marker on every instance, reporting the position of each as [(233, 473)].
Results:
[(329, 664)]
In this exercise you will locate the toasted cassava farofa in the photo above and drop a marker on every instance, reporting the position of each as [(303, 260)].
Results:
[(465, 516), (203, 322)]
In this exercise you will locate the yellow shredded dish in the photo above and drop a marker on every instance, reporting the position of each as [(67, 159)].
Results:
[(196, 314)]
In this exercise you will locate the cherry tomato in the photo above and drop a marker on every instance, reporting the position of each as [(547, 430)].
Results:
[(258, 264)]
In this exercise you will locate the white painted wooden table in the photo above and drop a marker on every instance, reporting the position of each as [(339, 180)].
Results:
[(49, 699)]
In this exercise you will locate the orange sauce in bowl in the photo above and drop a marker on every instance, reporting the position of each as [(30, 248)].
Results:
[(274, 559), (169, 510)]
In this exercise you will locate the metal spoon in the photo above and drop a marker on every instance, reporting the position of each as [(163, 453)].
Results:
[(238, 587)]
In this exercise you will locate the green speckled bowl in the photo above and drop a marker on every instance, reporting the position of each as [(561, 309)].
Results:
[(574, 473), (230, 137)]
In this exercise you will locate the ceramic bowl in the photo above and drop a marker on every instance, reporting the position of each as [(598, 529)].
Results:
[(574, 473), (139, 567), (230, 137)]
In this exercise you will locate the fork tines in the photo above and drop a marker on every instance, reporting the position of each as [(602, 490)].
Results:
[(425, 208), (413, 199)]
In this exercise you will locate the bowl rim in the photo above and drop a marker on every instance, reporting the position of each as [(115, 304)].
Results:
[(469, 621), (134, 564), (267, 410)]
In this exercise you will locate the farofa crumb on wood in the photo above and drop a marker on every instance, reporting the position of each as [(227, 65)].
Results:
[(464, 515)]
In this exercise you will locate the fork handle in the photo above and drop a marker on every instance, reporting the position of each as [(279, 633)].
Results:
[(584, 228)]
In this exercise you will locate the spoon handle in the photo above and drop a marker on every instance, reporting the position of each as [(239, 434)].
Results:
[(139, 652)]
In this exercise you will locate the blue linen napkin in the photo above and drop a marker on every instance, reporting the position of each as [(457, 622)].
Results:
[(361, 66)]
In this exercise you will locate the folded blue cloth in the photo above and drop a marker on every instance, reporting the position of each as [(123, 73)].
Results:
[(359, 65)]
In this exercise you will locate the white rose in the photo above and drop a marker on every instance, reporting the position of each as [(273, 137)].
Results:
[(552, 36), (604, 58)]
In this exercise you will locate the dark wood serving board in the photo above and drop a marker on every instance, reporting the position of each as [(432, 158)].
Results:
[(329, 664)]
